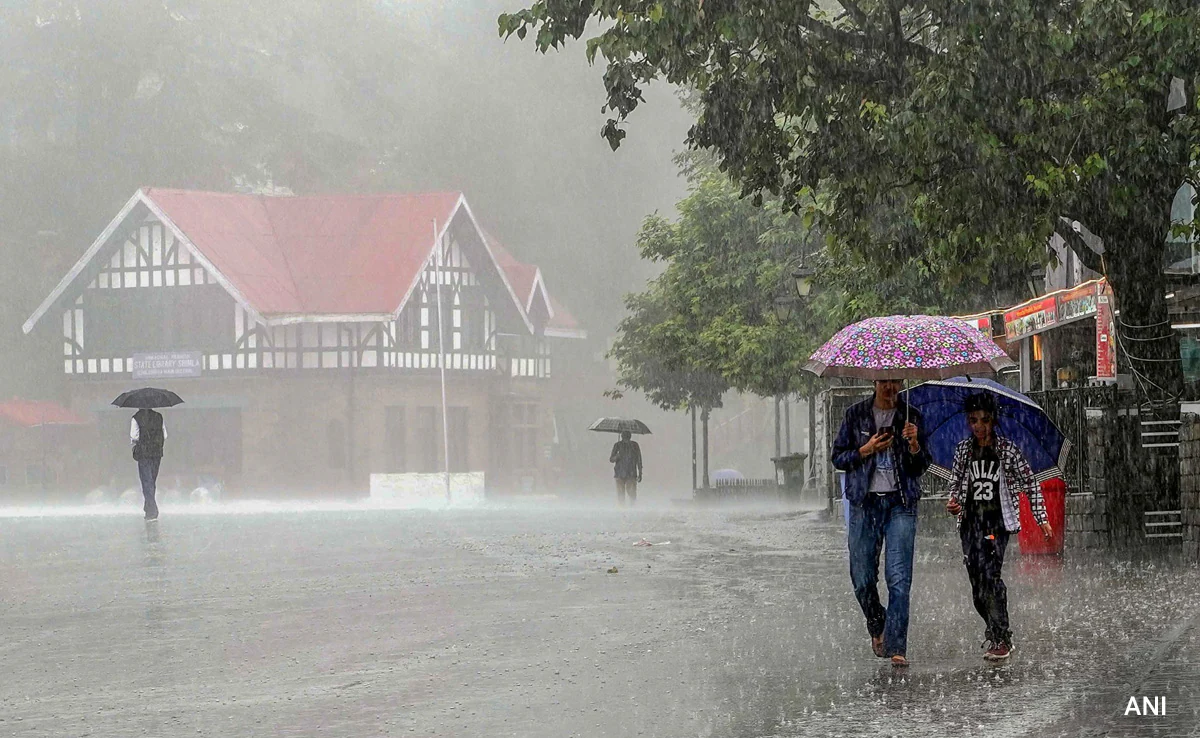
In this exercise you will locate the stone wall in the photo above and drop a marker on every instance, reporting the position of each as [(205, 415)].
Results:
[(1189, 483), (1087, 522)]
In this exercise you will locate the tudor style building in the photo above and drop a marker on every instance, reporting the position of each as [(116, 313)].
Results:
[(302, 333)]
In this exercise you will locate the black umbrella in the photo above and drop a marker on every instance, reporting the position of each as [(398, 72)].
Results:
[(148, 397), (619, 425)]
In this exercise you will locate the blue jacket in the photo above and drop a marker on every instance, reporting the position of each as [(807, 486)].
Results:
[(857, 427)]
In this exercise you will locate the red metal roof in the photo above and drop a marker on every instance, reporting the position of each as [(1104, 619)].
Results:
[(522, 277), (328, 254), (332, 254), (34, 413), (561, 319)]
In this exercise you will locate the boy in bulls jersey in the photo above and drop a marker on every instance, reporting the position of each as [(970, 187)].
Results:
[(988, 475)]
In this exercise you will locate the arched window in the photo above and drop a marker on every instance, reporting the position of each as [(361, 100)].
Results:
[(335, 435)]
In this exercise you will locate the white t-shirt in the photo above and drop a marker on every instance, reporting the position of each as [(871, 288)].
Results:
[(885, 478)]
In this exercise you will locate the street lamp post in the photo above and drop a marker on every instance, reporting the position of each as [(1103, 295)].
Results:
[(803, 277)]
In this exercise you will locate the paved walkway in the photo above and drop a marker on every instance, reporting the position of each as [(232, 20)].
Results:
[(350, 622)]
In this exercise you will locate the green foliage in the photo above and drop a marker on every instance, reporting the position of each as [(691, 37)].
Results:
[(708, 321), (962, 134)]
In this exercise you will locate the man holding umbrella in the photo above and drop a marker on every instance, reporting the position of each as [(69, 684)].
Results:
[(148, 435), (626, 458), (881, 448)]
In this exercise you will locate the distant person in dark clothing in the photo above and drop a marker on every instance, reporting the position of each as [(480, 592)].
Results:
[(147, 434), (626, 458), (988, 474)]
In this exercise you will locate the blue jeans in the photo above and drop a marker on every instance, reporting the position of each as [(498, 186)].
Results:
[(876, 520)]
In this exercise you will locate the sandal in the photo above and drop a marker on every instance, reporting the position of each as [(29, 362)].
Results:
[(899, 660), (877, 646)]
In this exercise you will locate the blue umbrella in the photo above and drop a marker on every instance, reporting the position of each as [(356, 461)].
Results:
[(1018, 418)]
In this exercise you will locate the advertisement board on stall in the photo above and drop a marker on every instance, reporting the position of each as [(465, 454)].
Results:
[(1032, 317), (1078, 303)]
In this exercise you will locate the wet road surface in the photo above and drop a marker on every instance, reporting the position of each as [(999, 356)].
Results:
[(506, 622)]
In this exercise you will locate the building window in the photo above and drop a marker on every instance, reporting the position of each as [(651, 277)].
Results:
[(1189, 351), (335, 435), (524, 450)]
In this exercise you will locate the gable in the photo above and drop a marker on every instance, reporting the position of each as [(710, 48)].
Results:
[(294, 259)]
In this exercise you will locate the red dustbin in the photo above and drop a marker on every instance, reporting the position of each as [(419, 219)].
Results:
[(1054, 492)]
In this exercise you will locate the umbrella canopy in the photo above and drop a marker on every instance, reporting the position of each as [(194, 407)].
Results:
[(148, 397), (619, 425), (1018, 418), (908, 347)]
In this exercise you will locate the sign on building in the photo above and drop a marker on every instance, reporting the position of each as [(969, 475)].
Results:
[(1106, 352), (1052, 310), (1032, 317), (167, 364), (981, 323), (1078, 303)]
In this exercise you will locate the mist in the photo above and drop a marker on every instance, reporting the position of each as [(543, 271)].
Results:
[(311, 98)]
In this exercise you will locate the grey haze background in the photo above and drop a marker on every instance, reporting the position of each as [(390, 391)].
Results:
[(98, 98)]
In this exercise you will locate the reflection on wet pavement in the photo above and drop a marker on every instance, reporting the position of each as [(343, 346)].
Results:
[(506, 622)]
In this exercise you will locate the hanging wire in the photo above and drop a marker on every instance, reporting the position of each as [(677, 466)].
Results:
[(1142, 327), (1142, 379)]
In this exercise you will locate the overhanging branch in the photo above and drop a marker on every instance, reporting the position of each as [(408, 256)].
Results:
[(855, 12), (871, 39)]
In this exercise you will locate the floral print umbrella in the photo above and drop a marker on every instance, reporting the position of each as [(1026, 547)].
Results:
[(908, 347)]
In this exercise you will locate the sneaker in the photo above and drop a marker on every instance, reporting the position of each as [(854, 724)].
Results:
[(877, 646), (998, 652), (899, 660)]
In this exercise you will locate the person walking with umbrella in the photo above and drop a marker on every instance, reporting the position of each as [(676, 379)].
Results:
[(626, 456), (881, 448), (988, 473), (147, 436)]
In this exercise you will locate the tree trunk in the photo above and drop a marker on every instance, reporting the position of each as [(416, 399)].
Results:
[(1145, 336), (704, 427), (692, 415), (777, 443)]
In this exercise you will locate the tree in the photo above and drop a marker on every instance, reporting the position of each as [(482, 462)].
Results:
[(963, 133), (707, 323), (655, 357), (726, 262)]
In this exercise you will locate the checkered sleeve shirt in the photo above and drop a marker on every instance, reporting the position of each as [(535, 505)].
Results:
[(1018, 478)]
